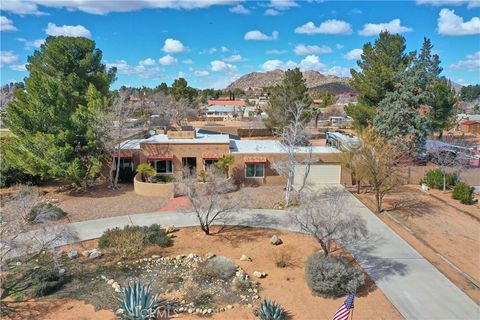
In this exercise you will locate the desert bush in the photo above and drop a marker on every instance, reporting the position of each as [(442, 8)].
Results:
[(131, 239), (270, 310), (46, 280), (282, 258), (434, 179), (241, 284), (464, 193), (155, 234), (332, 277), (45, 212), (216, 268), (199, 297)]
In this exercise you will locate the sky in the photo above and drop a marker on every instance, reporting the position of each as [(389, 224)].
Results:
[(213, 42)]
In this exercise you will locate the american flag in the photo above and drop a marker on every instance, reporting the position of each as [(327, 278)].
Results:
[(344, 311)]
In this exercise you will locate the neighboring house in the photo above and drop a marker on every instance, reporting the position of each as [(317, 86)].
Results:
[(346, 98), (226, 108), (470, 126), (339, 120), (171, 152)]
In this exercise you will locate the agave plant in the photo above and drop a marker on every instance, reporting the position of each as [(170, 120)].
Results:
[(137, 302), (270, 310)]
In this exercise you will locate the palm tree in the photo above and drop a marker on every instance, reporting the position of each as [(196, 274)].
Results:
[(225, 163), (146, 171)]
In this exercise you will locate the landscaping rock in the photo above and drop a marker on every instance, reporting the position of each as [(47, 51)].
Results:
[(95, 254), (73, 254), (229, 306), (276, 240), (110, 281), (87, 253), (61, 272), (156, 256), (259, 274), (210, 255), (245, 258), (170, 228)]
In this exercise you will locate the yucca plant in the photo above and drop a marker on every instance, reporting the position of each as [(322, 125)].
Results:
[(138, 302), (270, 310)]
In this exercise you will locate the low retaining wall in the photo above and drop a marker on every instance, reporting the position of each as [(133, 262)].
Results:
[(162, 190)]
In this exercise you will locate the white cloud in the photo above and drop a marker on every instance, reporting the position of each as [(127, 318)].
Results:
[(302, 49), (218, 65), (471, 63), (66, 30), (234, 58), (339, 46), (142, 71), (239, 9), (331, 26), (259, 36), (271, 65), (452, 25), (167, 60), (353, 54), (188, 61), (272, 12), (470, 4), (210, 51), (31, 44), (8, 57), (338, 72), (24, 7), (373, 29), (201, 73), (6, 24), (18, 67), (224, 49), (275, 51), (311, 62), (173, 46), (147, 62), (283, 4)]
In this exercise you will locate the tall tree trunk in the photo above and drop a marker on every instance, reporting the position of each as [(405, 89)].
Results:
[(316, 120), (378, 197)]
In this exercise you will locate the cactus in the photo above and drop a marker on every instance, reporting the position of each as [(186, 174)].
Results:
[(270, 310), (137, 302)]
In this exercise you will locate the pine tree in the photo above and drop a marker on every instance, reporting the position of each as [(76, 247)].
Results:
[(283, 96), (54, 118)]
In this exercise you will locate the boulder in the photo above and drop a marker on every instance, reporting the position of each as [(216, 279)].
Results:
[(170, 228), (275, 240), (73, 254), (210, 255), (95, 254), (259, 274), (245, 258)]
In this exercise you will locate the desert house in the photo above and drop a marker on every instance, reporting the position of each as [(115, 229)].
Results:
[(171, 151), (470, 126)]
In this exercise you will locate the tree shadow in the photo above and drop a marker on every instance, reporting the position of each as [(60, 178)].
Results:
[(411, 205)]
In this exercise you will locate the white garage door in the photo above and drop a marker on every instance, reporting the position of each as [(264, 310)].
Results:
[(319, 174)]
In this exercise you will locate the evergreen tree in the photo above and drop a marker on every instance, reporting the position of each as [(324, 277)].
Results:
[(283, 96), (442, 108), (378, 65), (181, 90), (54, 118)]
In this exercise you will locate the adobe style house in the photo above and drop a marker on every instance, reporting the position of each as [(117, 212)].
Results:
[(228, 108), (470, 126), (170, 152)]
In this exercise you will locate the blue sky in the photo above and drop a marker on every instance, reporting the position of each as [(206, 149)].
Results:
[(211, 43)]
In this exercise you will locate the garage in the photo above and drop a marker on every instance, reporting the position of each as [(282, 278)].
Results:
[(319, 174)]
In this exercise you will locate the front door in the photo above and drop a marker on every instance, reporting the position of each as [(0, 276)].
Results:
[(191, 164)]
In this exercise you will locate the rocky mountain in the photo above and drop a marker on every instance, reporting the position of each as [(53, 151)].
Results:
[(312, 78)]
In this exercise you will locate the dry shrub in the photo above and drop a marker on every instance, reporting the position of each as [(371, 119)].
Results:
[(199, 297), (215, 268), (282, 258)]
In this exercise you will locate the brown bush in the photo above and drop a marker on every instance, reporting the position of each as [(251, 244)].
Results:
[(282, 258)]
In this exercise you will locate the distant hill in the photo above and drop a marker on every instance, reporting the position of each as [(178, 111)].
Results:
[(314, 80)]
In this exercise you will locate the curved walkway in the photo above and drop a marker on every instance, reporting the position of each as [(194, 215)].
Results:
[(414, 286)]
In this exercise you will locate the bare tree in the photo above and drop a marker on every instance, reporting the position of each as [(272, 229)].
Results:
[(121, 111), (211, 201), (323, 215), (169, 111), (293, 137), (24, 238), (378, 161)]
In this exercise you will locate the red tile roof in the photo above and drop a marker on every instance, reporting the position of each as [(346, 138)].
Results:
[(211, 156), (469, 122), (239, 103), (123, 154)]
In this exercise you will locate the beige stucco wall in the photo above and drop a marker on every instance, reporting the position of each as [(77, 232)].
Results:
[(161, 190)]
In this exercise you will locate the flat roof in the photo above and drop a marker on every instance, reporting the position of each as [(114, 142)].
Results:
[(271, 146), (163, 138)]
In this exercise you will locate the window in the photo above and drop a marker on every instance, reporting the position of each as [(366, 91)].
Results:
[(162, 166), (255, 170), (125, 164), (209, 164)]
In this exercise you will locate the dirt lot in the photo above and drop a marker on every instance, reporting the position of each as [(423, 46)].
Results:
[(439, 232), (284, 285)]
